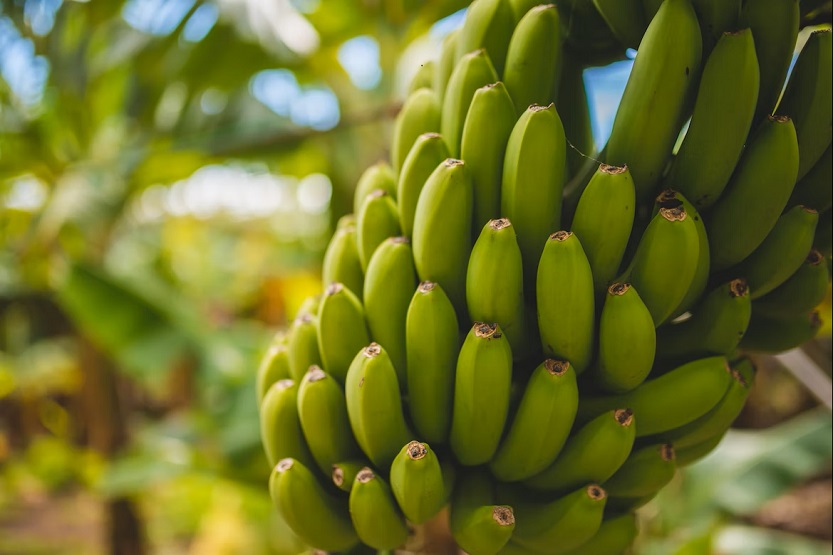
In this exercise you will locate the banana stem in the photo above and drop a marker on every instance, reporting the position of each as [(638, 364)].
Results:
[(434, 536)]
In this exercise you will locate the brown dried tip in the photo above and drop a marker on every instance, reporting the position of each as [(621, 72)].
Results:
[(738, 377), (623, 416), (556, 367), (595, 492), (426, 286), (668, 199), (539, 108), (286, 383), (416, 450), (666, 451), (490, 85), (738, 288), (503, 515), (333, 289), (735, 33), (365, 475), (372, 350), (338, 475), (285, 464), (378, 193), (315, 374), (809, 210), (451, 162), (675, 214), (543, 7), (815, 319), (561, 235), (500, 223), (431, 135), (613, 170), (814, 258), (399, 240), (304, 318), (486, 331), (619, 289), (778, 119)]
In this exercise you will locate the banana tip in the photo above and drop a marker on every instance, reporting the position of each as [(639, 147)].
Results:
[(500, 223), (365, 475), (556, 367), (416, 450), (613, 170), (561, 235), (618, 289), (285, 464), (426, 286), (338, 475), (595, 492), (333, 289), (674, 214), (815, 258), (372, 350), (315, 374), (738, 288), (484, 330), (503, 515), (623, 416), (666, 451)]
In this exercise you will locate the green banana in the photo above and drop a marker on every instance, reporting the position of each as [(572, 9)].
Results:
[(445, 63), (273, 367), (534, 172), (774, 25), (803, 292), (669, 401), (344, 473), (342, 331), (571, 96), (626, 19), (428, 152), (377, 220), (533, 61), (814, 190), (690, 455), (323, 414), (488, 125), (722, 117), (423, 77), (603, 220), (646, 471), (302, 346), (417, 482), (808, 99), (419, 114), (341, 261), (377, 519), (478, 525), (378, 176), (520, 7), (442, 230), (781, 253), (592, 454), (774, 334), (565, 301), (432, 347), (613, 538), (541, 424), (494, 281), (488, 25), (656, 99), (665, 263), (347, 220), (374, 406), (757, 193), (716, 18), (716, 326), (280, 427), (311, 304), (627, 341), (388, 288), (481, 394), (474, 70), (319, 519)]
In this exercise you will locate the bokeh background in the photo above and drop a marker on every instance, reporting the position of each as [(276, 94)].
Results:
[(170, 174)]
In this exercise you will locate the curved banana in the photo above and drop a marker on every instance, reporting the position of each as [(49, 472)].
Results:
[(656, 99), (319, 519), (374, 406), (445, 64), (344, 473), (481, 394), (375, 515), (341, 261), (388, 288), (419, 114), (478, 525), (722, 117), (646, 471), (571, 96), (273, 367), (775, 334), (474, 70), (378, 176), (813, 190), (486, 132), (488, 25), (626, 19), (417, 482), (603, 221), (280, 426), (615, 535), (302, 345), (342, 331), (592, 454), (428, 152), (377, 220), (801, 293)]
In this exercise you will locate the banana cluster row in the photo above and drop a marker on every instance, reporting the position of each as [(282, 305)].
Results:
[(531, 338)]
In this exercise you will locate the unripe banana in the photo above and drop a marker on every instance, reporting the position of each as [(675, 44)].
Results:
[(627, 341), (442, 230), (721, 120), (775, 334), (474, 70), (613, 538), (520, 7), (494, 281), (280, 426), (690, 455), (665, 263), (534, 172), (533, 61), (626, 19), (377, 220), (571, 96), (445, 64), (541, 424), (423, 78), (344, 473), (302, 346), (319, 519), (716, 326), (757, 193), (603, 221), (669, 401), (374, 406), (488, 25), (481, 394), (646, 471), (420, 114), (323, 414), (814, 190), (478, 525), (375, 515), (565, 301), (388, 288), (378, 176), (800, 294), (432, 347), (716, 18), (781, 253), (311, 304), (273, 367), (347, 220), (489, 123), (656, 98), (561, 525), (417, 482), (428, 152), (342, 331), (808, 99), (341, 261)]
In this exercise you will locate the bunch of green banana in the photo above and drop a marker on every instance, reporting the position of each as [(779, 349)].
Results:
[(529, 342)]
